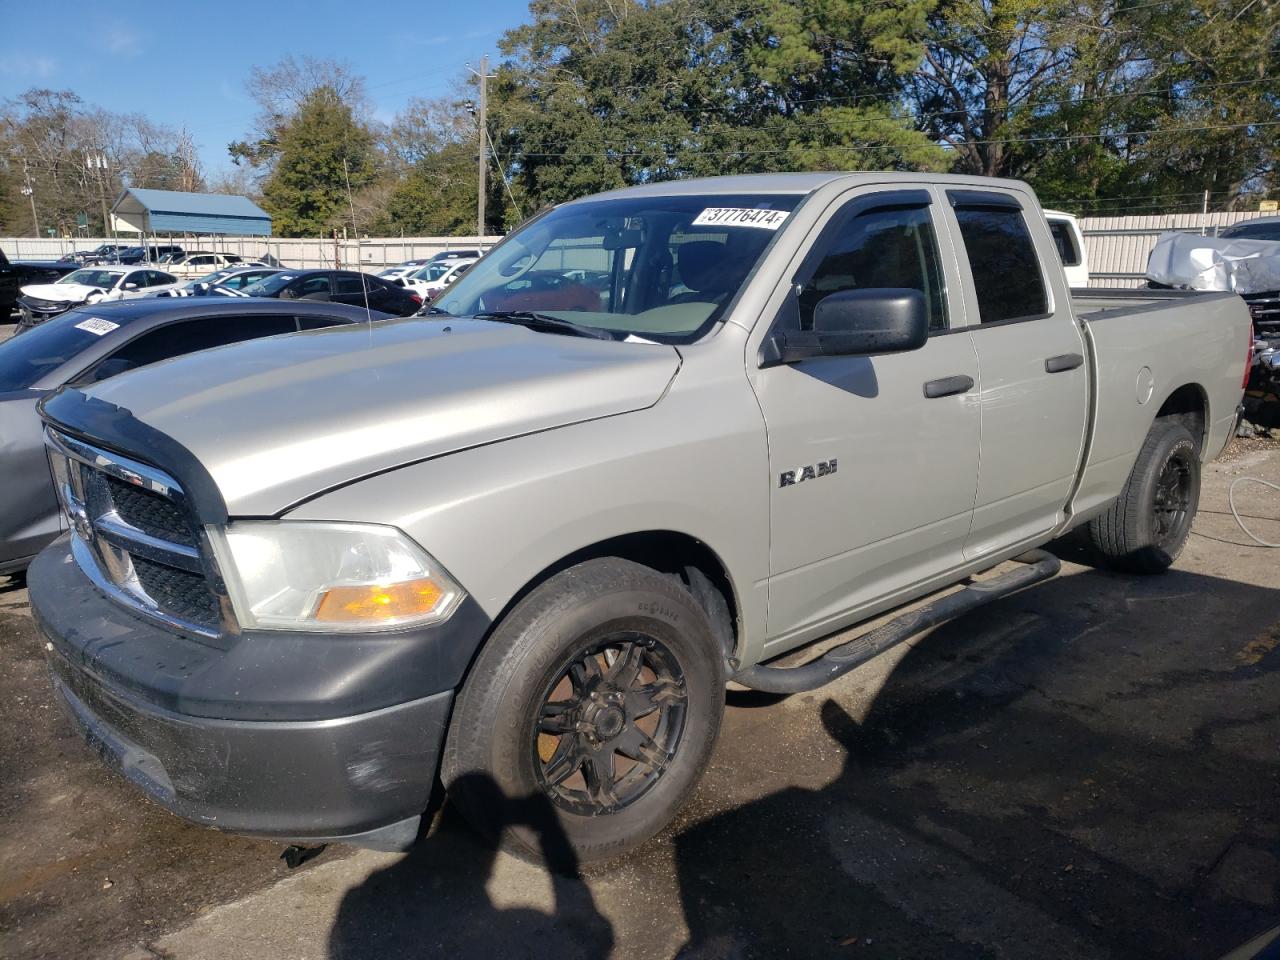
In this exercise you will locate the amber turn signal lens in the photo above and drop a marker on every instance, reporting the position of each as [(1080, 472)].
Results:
[(389, 602)]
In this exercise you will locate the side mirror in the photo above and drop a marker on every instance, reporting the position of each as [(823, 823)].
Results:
[(130, 286), (855, 323), (399, 281)]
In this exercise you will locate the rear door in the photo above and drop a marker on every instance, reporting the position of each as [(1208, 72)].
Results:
[(872, 480), (1034, 377)]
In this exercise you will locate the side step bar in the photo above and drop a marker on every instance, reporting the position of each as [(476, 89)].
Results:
[(838, 661)]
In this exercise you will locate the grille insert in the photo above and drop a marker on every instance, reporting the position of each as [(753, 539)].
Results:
[(185, 595), (151, 513)]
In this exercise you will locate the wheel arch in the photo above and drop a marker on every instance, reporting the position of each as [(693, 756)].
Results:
[(679, 554), (1189, 405)]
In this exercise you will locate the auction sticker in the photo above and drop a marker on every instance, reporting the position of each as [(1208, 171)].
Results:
[(97, 326), (740, 217)]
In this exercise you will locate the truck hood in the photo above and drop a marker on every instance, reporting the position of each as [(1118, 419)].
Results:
[(279, 420), (60, 292)]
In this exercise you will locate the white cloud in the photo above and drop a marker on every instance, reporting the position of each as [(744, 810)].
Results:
[(122, 41), (19, 65)]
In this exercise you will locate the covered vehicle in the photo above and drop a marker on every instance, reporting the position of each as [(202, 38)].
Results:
[(1245, 259), (91, 344), (42, 301)]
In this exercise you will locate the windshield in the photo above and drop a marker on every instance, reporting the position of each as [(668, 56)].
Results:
[(269, 286), (663, 267), (91, 278), (1252, 231), (434, 271), (27, 358), (209, 278)]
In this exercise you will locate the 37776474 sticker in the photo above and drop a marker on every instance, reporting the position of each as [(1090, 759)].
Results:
[(740, 217), (97, 326)]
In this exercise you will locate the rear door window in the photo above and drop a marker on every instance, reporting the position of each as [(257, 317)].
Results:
[(1002, 258), (1065, 240)]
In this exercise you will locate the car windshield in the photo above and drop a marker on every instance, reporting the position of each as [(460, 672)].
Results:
[(269, 286), (659, 267), (25, 359), (91, 278), (209, 278), (1252, 231), (434, 271)]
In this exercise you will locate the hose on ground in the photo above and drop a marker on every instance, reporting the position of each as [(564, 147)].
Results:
[(1231, 499)]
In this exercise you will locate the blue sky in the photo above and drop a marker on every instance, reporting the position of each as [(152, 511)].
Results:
[(181, 63)]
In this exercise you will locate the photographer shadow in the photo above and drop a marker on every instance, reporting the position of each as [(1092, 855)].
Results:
[(435, 902)]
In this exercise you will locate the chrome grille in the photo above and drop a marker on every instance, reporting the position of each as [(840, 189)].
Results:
[(1265, 310), (134, 536)]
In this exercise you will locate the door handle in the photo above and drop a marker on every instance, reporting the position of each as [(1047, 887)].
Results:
[(948, 386), (1063, 362)]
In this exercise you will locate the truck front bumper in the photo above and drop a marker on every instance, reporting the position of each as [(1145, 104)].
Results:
[(359, 777)]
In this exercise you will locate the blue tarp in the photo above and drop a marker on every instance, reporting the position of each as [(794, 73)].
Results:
[(173, 211)]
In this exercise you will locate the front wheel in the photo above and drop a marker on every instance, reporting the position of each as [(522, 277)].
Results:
[(598, 698), (1148, 525)]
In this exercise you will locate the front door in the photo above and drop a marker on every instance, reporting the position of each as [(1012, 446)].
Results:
[(874, 458)]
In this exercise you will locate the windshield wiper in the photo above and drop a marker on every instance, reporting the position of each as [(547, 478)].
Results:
[(544, 322)]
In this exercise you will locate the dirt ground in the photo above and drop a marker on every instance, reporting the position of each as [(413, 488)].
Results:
[(1090, 768)]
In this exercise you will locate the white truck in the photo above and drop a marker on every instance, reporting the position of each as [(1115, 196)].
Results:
[(652, 442)]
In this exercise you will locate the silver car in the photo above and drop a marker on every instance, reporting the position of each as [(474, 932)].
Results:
[(91, 344)]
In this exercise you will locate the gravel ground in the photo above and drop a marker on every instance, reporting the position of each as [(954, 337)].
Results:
[(1086, 769)]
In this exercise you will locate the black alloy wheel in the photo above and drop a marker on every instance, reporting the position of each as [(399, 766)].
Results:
[(609, 724)]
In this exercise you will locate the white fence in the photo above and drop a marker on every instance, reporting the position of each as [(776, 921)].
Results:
[(1117, 247), (370, 254)]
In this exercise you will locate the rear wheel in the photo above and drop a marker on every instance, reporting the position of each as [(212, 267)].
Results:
[(1148, 525), (599, 699)]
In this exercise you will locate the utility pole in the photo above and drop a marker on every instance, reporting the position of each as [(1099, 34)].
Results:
[(31, 195), (481, 123)]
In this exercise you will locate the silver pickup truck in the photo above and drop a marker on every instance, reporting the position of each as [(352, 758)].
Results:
[(654, 440)]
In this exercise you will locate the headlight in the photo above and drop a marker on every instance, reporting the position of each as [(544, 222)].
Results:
[(306, 575)]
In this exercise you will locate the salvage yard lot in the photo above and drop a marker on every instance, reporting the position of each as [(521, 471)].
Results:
[(1086, 769)]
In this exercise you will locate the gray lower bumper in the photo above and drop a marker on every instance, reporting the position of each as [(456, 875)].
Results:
[(364, 779)]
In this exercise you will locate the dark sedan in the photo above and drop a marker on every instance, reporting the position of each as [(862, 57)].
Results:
[(338, 286), (93, 343)]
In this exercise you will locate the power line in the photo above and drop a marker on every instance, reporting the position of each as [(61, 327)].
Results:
[(946, 144)]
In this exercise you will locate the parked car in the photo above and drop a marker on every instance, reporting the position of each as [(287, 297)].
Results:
[(340, 286), (90, 344), (402, 269), (230, 281), (1065, 230), (429, 280), (14, 275), (192, 265), (525, 546), (42, 301), (1259, 228), (153, 254), (103, 253)]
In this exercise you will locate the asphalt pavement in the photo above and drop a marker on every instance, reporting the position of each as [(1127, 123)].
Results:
[(1086, 769)]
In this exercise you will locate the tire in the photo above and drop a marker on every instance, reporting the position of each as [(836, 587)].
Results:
[(1148, 525), (533, 706)]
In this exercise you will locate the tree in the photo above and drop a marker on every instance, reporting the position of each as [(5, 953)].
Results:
[(603, 93), (322, 156)]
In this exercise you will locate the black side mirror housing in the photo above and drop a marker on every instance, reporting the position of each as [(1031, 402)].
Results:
[(855, 323)]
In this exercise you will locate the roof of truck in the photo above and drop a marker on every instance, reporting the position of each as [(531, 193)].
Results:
[(799, 183)]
